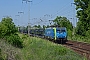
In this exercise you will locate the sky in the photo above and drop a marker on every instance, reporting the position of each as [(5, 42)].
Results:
[(37, 11)]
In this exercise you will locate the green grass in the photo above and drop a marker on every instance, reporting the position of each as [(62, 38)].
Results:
[(38, 49), (80, 38)]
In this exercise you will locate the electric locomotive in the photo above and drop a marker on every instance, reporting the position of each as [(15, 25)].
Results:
[(56, 34)]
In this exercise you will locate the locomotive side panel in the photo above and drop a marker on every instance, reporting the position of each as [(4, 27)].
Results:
[(49, 33)]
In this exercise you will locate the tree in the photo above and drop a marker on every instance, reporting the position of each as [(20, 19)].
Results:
[(35, 26), (63, 22), (8, 31), (44, 26), (83, 15), (7, 27), (47, 26), (39, 26)]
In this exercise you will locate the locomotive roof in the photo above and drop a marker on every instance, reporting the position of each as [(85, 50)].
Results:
[(57, 28), (62, 28)]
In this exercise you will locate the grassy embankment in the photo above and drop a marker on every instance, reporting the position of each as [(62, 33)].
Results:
[(80, 38), (37, 49)]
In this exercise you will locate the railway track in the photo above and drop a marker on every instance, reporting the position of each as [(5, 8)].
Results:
[(79, 47)]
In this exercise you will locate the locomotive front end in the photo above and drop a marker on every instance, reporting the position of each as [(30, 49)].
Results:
[(61, 34)]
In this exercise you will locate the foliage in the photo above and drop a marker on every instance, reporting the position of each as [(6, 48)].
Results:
[(9, 52), (37, 26), (8, 31), (79, 38), (47, 26), (7, 27), (69, 33), (88, 33), (37, 49), (1, 58), (44, 26), (40, 49), (83, 9), (15, 40), (63, 22)]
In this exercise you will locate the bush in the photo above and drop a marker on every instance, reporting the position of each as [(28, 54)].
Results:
[(88, 33), (1, 55), (15, 40), (7, 27), (69, 33)]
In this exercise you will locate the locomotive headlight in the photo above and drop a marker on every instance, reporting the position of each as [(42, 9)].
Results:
[(64, 36)]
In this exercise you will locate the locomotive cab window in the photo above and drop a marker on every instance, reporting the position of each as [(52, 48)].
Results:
[(62, 30), (58, 31)]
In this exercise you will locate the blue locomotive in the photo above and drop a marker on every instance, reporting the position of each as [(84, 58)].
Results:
[(58, 34)]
